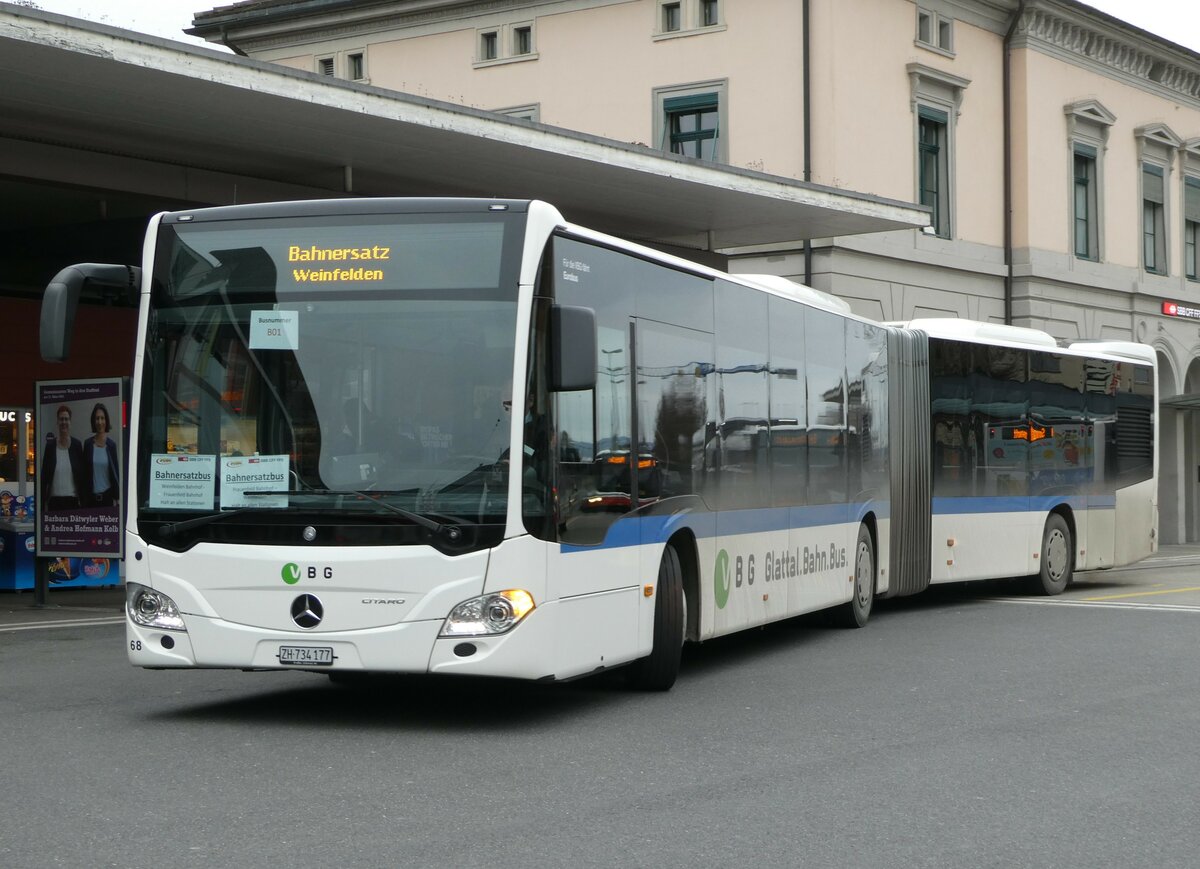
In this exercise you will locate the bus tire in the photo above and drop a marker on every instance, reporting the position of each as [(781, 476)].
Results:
[(857, 611), (1057, 558), (657, 671)]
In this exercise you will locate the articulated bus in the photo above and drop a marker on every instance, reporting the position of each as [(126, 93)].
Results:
[(469, 437)]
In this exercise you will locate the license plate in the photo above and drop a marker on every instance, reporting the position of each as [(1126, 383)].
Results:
[(306, 654)]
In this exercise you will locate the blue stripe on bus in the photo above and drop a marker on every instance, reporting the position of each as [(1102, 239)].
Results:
[(1034, 504), (641, 530)]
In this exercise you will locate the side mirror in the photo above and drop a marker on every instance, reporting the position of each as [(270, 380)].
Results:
[(61, 300), (572, 348)]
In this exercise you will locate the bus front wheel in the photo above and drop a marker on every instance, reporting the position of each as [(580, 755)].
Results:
[(658, 670), (1057, 558)]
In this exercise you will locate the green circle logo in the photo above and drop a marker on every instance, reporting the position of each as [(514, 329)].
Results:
[(721, 579), (290, 573)]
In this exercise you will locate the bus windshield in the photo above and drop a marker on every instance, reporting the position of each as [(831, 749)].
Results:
[(357, 366)]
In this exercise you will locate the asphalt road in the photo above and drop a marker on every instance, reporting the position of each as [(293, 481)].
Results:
[(967, 727)]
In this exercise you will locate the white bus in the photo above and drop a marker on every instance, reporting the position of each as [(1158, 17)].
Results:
[(469, 437)]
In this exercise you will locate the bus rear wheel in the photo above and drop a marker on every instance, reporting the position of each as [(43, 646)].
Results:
[(657, 671), (1057, 558), (857, 611)]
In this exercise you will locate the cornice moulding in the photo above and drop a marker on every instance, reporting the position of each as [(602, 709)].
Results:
[(1172, 72)]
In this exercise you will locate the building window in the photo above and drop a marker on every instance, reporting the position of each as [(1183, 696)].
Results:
[(1157, 147), (488, 45), (692, 119), (672, 18), (936, 103), (686, 17), (1154, 242), (527, 112), (523, 40), (1088, 125), (693, 125), (933, 170), (507, 43), (1191, 227), (325, 65), (935, 31), (357, 69), (1086, 236)]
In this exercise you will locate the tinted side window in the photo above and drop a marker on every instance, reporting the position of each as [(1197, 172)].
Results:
[(1060, 438), (673, 297), (674, 372), (998, 425), (743, 474), (951, 381), (1100, 403), (824, 362), (866, 370), (788, 403), (593, 427)]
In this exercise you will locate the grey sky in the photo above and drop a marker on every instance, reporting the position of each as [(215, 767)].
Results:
[(1177, 20)]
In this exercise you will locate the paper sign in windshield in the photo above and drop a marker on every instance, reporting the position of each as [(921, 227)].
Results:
[(182, 482), (274, 330), (242, 475)]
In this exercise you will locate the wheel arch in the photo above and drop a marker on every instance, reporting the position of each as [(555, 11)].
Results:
[(683, 542), (868, 519), (1068, 515)]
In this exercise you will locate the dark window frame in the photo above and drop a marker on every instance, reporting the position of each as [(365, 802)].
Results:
[(1191, 227), (699, 107), (1085, 205), (1154, 242), (933, 166)]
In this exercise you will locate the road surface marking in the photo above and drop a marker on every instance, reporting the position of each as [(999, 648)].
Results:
[(1144, 593), (1154, 607), (64, 623)]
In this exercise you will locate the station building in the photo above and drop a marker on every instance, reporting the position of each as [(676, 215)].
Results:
[(1032, 162)]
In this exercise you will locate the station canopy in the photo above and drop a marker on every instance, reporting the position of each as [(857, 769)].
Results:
[(89, 107)]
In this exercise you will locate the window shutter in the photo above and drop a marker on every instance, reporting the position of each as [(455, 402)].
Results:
[(938, 117), (1152, 183), (693, 103), (1191, 199)]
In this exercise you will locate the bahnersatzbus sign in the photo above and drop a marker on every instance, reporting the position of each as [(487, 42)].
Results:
[(80, 468)]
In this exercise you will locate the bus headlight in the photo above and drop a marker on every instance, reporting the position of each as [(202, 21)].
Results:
[(488, 614), (152, 609)]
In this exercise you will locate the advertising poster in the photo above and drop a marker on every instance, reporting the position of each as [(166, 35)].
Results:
[(80, 469)]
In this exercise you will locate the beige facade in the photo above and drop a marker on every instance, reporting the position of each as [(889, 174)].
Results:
[(1081, 241)]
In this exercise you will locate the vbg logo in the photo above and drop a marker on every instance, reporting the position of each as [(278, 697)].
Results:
[(721, 579), (291, 572)]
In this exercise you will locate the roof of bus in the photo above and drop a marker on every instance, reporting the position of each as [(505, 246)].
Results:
[(360, 205), (957, 329)]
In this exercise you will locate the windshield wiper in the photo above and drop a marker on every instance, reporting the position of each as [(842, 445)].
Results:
[(451, 530), (200, 521)]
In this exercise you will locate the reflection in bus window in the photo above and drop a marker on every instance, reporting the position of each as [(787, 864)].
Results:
[(824, 350)]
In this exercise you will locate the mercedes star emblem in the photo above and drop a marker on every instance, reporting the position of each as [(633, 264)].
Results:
[(307, 611)]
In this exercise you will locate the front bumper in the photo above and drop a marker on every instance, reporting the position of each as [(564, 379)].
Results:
[(408, 647)]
